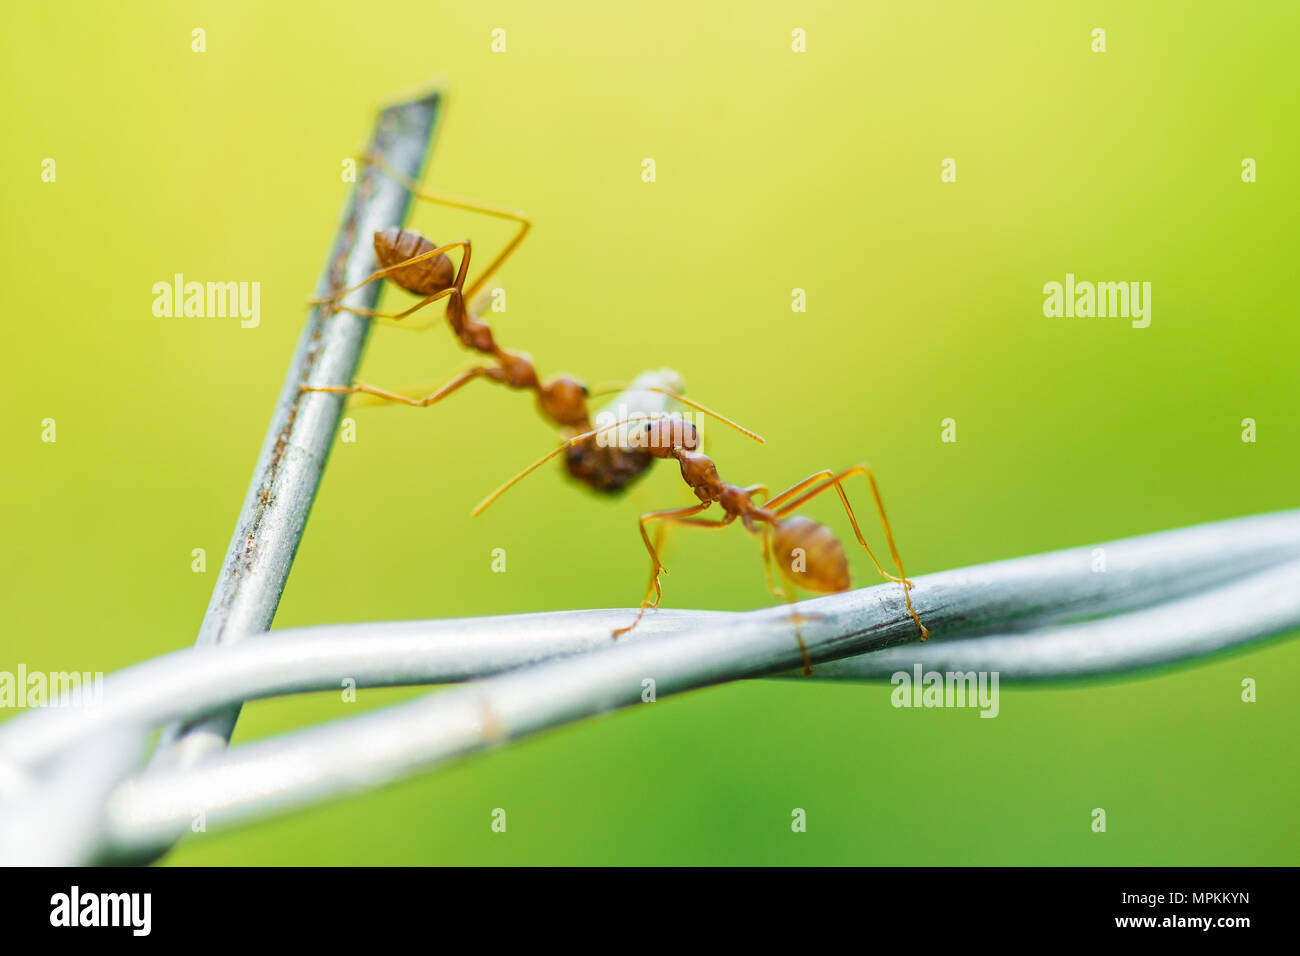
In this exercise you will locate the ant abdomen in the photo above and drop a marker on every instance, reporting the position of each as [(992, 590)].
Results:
[(605, 468), (422, 278), (810, 556)]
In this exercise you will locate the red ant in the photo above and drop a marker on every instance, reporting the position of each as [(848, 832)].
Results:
[(807, 554), (423, 268)]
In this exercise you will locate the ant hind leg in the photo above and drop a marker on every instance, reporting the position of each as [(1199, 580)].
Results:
[(789, 597), (835, 481)]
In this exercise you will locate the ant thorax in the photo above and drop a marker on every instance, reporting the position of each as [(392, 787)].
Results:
[(737, 501)]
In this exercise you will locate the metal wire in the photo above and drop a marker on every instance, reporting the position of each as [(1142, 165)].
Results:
[(1154, 578), (302, 428), (1161, 598), (70, 791)]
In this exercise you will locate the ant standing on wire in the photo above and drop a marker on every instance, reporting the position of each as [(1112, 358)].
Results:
[(807, 554)]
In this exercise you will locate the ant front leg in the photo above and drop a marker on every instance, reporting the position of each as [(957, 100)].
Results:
[(361, 388), (398, 316), (653, 592)]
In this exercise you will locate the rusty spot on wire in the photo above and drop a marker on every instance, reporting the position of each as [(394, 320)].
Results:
[(344, 251)]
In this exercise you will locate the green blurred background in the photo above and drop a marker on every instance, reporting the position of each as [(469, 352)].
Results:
[(775, 171)]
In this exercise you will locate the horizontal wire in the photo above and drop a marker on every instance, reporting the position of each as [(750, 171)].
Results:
[(1170, 596), (1005, 595)]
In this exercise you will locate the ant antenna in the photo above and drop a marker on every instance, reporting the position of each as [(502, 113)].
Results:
[(483, 505)]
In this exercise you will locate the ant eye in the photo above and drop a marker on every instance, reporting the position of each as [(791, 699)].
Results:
[(585, 390)]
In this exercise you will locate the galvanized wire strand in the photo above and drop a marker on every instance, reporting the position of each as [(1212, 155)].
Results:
[(1247, 609), (190, 683), (305, 767), (1168, 597), (56, 817), (298, 440), (1155, 577), (1008, 596)]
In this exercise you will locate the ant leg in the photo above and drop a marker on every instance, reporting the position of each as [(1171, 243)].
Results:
[(828, 476), (769, 557), (706, 523), (470, 205), (776, 590), (662, 531), (773, 588), (656, 568), (463, 244), (723, 522), (396, 317), (369, 400), (464, 378), (836, 481), (798, 487), (823, 475)]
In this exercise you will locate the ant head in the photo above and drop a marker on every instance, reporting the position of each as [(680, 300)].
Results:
[(662, 435), (564, 401), (810, 556)]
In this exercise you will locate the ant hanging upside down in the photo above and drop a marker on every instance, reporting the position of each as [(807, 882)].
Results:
[(806, 553), (424, 268)]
